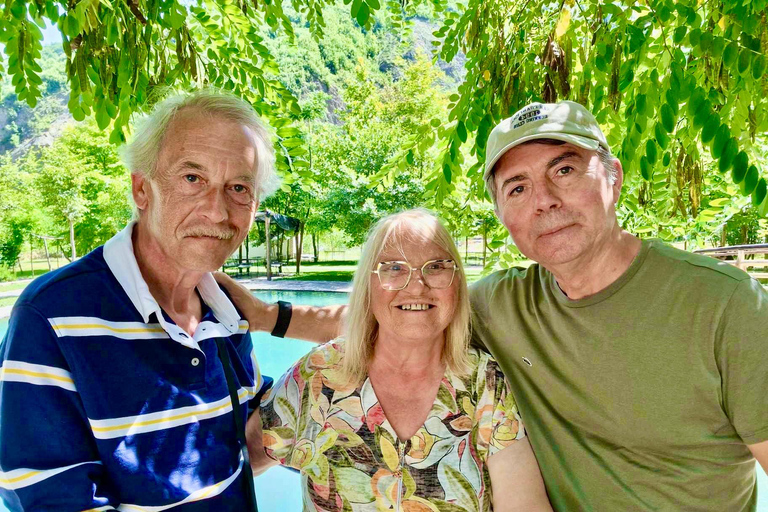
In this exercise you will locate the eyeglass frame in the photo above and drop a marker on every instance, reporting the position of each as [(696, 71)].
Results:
[(412, 270)]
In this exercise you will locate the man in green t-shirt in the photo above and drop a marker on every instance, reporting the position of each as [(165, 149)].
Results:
[(639, 369)]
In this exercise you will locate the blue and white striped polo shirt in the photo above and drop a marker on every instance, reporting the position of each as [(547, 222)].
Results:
[(106, 404)]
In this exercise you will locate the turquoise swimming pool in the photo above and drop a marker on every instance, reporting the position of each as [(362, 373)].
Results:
[(279, 490)]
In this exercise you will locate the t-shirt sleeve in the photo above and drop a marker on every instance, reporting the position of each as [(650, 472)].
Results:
[(281, 411), (499, 416), (742, 340), (478, 299)]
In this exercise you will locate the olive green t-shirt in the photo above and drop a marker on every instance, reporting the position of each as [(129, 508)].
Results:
[(642, 396)]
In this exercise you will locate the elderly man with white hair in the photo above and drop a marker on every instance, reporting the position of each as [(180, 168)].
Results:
[(126, 375)]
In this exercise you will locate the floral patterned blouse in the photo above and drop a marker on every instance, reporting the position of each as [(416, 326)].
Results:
[(350, 457)]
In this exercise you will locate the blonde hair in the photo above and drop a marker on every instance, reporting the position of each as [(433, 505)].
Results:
[(362, 327), (141, 153)]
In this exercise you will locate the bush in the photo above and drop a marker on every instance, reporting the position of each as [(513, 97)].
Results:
[(6, 274)]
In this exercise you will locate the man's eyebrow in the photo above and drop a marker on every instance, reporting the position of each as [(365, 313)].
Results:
[(188, 164), (564, 156), (512, 179)]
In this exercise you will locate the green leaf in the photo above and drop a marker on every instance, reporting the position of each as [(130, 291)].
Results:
[(363, 14), (667, 118), (758, 67), (665, 13), (287, 131), (461, 131), (710, 128), (18, 10), (696, 102), (650, 151), (645, 168), (73, 26), (718, 43), (356, 4), (730, 54), (661, 136), (374, 4), (78, 114), (729, 154), (722, 136), (706, 41), (719, 202), (680, 34), (640, 104), (702, 116), (447, 172), (740, 167), (671, 97), (745, 58), (694, 37), (759, 194), (750, 181)]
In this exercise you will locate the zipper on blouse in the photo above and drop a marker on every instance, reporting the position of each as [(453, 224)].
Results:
[(401, 454)]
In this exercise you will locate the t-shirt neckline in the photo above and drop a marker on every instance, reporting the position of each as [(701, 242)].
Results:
[(606, 292)]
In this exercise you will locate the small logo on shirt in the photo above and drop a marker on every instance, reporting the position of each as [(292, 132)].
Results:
[(527, 361)]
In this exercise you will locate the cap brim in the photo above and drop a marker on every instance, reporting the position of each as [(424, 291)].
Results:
[(576, 140)]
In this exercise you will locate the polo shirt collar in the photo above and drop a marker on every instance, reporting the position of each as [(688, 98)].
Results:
[(119, 256)]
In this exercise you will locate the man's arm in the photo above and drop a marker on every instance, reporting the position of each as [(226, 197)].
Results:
[(516, 481), (742, 343), (311, 323), (48, 455), (760, 451)]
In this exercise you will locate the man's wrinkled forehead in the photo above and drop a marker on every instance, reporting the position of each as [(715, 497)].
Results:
[(565, 151)]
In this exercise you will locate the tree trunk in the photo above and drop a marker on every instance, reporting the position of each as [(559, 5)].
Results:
[(316, 246), (299, 247), (466, 250), (485, 241), (47, 254), (269, 258), (72, 238), (722, 237), (31, 259)]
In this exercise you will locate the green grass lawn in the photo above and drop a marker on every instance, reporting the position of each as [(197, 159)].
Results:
[(6, 287), (323, 271), (7, 301)]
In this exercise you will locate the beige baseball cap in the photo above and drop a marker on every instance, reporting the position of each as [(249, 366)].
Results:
[(566, 121)]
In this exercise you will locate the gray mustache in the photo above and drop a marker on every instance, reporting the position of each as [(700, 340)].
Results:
[(221, 234), (555, 221)]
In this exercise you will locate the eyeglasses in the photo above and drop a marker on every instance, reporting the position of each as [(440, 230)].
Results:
[(395, 275)]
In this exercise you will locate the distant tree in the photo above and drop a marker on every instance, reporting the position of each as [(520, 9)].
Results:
[(120, 51), (82, 184)]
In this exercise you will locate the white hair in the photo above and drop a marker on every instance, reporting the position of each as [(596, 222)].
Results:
[(141, 153)]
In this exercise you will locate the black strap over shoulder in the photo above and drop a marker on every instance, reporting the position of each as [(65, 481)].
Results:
[(237, 411)]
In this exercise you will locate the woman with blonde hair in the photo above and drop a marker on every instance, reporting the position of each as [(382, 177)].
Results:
[(399, 414)]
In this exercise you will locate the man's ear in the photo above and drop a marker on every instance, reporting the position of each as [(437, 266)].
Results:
[(619, 181), (140, 190)]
